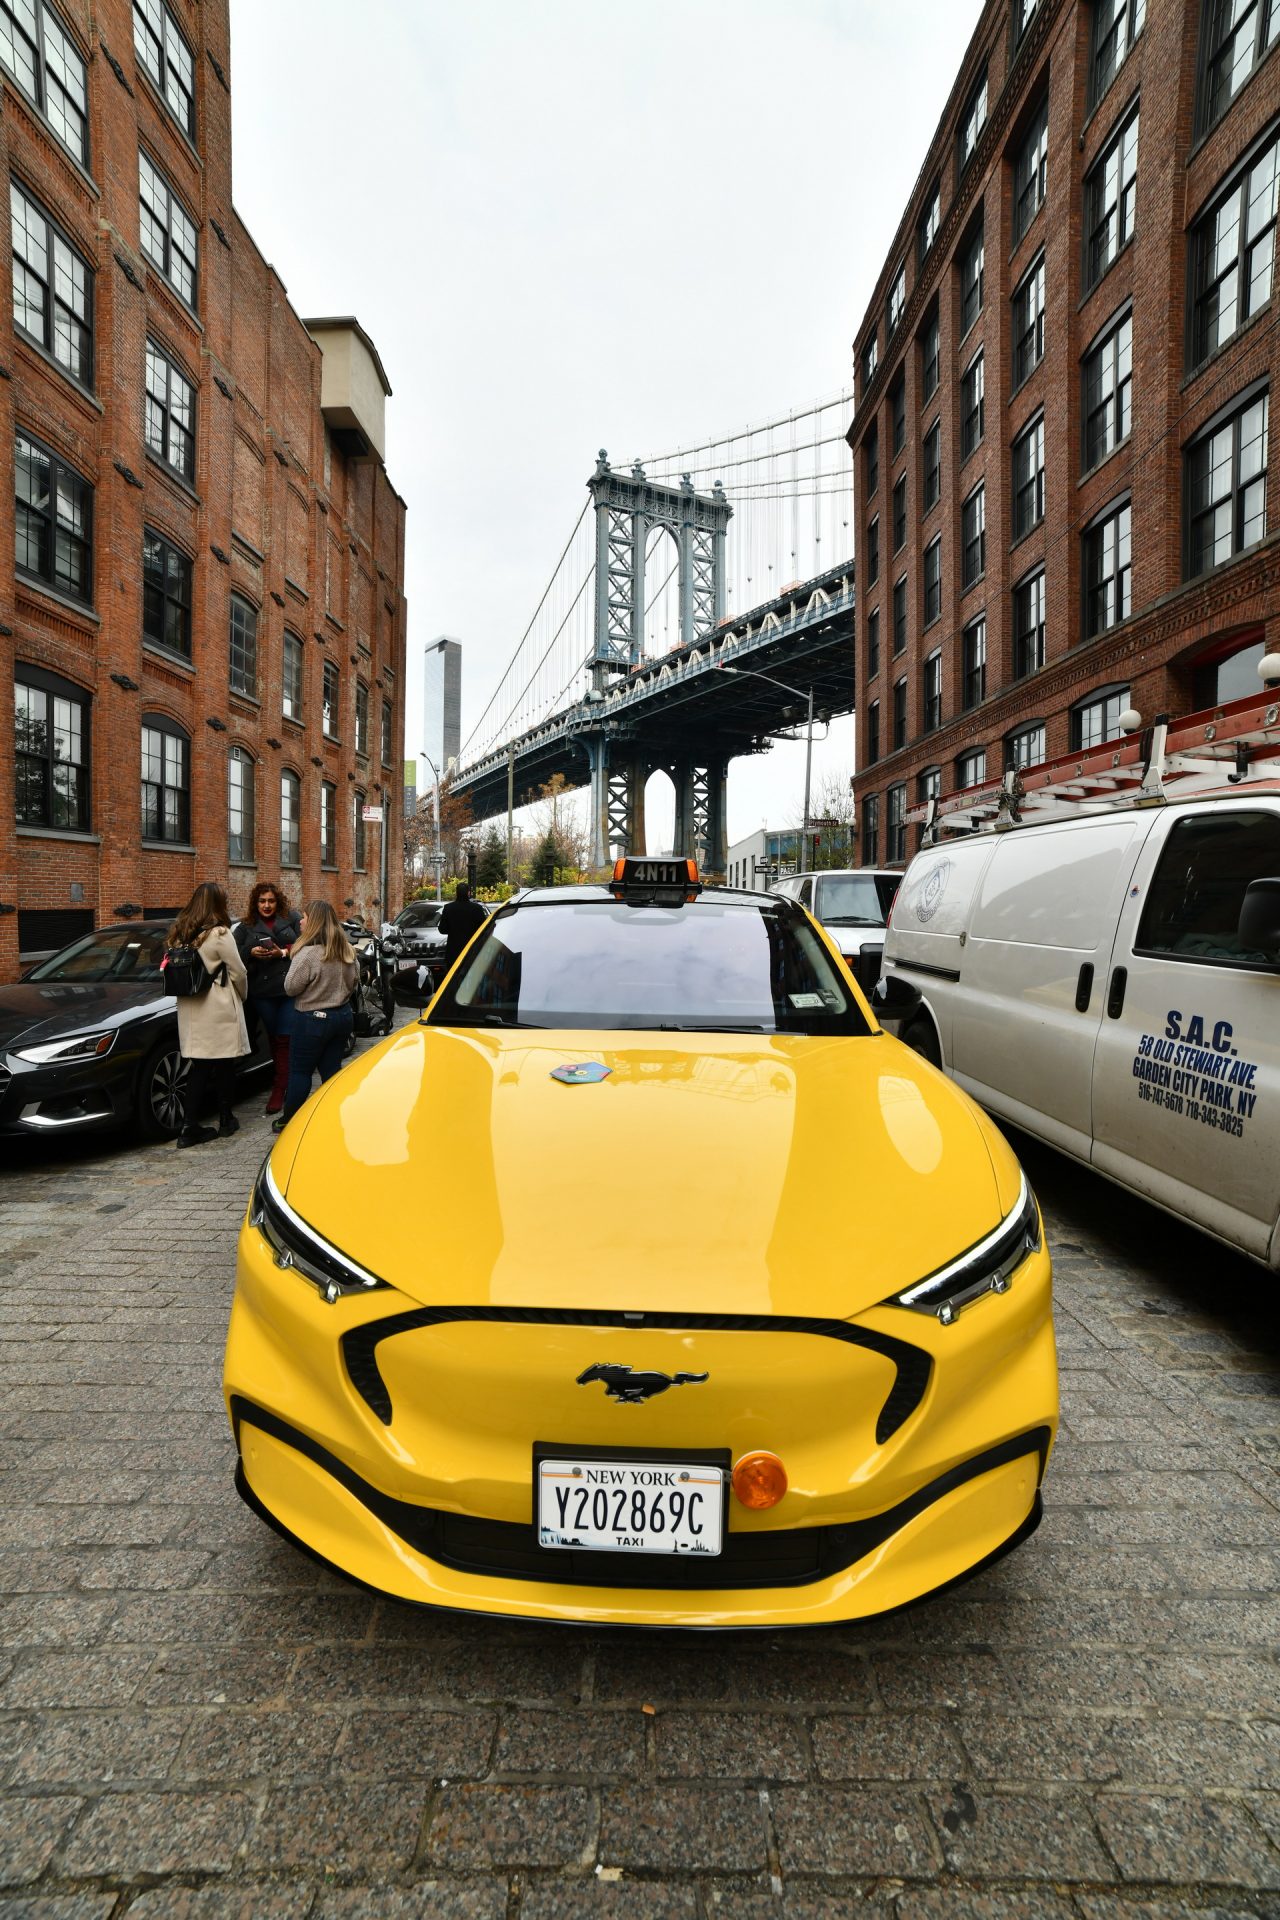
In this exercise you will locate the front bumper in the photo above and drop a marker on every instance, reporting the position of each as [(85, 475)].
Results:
[(68, 1099), (414, 1476)]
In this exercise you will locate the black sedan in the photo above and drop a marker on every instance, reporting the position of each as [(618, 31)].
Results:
[(89, 1039)]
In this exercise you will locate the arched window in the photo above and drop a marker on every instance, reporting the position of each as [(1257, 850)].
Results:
[(240, 808), (290, 820), (51, 750), (166, 780)]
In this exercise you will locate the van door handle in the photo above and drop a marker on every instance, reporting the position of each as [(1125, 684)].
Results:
[(1084, 987), (1115, 999)]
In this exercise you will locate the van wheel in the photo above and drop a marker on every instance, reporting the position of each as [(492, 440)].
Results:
[(919, 1035), (162, 1092)]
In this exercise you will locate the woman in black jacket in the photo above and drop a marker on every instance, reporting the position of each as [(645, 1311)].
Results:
[(265, 937)]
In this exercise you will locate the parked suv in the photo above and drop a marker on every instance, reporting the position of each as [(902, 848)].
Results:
[(853, 905)]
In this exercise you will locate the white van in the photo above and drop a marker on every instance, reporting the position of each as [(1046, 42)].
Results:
[(1111, 983), (853, 905)]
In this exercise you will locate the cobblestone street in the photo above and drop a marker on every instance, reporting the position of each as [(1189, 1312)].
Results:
[(199, 1722)]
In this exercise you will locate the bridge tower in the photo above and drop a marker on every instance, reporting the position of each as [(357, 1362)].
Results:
[(628, 506)]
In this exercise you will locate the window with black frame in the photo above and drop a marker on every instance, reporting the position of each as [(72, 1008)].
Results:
[(931, 692), (1031, 172), (51, 751), (973, 259), (900, 614), (1026, 747), (43, 58), (873, 643), (1236, 37), (329, 708), (973, 536), (1028, 324), (166, 781), (1028, 478), (1192, 910), (1116, 25), (971, 768), (1108, 570), (240, 806), (896, 302), (1110, 197), (899, 714), (170, 413), (1029, 626), (898, 414), (972, 121), (52, 287), (166, 594), (933, 581), (166, 59), (930, 356), (895, 822), (166, 230), (873, 733), (871, 460), (899, 512), (973, 406), (871, 830), (359, 801), (931, 462), (871, 566), (1226, 486), (1108, 392), (53, 520), (290, 819), (293, 671), (362, 719), (870, 361), (328, 824), (1096, 720), (1231, 256), (973, 663), (386, 733), (244, 647), (930, 792), (929, 222)]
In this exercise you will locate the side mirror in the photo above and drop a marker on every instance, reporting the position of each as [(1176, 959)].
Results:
[(893, 998), (1258, 928)]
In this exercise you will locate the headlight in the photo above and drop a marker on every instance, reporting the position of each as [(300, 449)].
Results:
[(299, 1246), (985, 1268), (90, 1046)]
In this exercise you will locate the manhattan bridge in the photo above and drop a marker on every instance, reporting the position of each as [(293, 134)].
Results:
[(702, 603)]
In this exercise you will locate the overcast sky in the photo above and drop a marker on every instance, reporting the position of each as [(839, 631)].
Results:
[(569, 225)]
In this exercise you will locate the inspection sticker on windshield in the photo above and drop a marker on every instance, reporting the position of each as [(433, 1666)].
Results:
[(581, 1072), (803, 1002)]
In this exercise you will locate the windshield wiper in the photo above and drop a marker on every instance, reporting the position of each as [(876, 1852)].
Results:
[(663, 1027)]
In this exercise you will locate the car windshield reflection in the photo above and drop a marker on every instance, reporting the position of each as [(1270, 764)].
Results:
[(117, 953)]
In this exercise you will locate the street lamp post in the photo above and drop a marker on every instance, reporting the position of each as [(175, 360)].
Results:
[(754, 673), (438, 860)]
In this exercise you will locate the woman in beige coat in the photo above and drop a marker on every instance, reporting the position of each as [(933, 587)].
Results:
[(211, 1027)]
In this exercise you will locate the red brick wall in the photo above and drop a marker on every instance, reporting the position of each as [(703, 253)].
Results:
[(269, 503), (1172, 620)]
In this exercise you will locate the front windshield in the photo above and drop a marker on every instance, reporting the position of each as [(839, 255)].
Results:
[(119, 953), (708, 967), (851, 900), (419, 917)]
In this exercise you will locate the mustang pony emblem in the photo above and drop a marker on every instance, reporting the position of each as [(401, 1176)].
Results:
[(621, 1384)]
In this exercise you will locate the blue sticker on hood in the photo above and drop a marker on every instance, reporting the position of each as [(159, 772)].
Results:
[(581, 1072)]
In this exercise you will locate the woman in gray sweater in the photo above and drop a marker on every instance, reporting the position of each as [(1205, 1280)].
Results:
[(320, 981)]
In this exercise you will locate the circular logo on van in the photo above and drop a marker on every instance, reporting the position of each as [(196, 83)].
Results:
[(928, 897)]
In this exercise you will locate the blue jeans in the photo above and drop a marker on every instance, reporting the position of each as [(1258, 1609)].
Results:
[(274, 1015), (318, 1040)]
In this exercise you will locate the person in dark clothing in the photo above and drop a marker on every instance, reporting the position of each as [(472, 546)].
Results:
[(265, 937), (459, 921)]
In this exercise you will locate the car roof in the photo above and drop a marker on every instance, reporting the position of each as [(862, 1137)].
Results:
[(595, 890)]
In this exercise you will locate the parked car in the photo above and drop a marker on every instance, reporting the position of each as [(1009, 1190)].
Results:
[(89, 1040), (1111, 983), (853, 905)]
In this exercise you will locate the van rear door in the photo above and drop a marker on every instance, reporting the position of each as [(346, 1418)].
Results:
[(1034, 970), (1186, 1102)]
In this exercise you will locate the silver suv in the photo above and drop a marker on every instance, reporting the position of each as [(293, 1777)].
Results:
[(853, 905)]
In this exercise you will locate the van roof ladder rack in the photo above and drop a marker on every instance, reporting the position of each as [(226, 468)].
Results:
[(1191, 758)]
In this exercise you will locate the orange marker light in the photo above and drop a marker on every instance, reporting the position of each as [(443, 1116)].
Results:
[(759, 1480)]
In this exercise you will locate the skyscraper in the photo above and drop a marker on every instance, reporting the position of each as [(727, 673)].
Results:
[(442, 704)]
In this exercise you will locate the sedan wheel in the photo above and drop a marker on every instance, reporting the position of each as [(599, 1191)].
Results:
[(162, 1094)]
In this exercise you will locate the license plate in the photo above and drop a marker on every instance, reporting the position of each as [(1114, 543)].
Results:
[(630, 1506)]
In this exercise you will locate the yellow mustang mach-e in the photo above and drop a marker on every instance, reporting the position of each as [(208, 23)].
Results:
[(645, 1279)]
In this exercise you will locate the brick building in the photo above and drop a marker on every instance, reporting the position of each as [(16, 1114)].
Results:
[(209, 580), (1065, 491)]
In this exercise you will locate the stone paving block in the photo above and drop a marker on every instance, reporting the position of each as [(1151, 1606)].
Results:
[(129, 1834), (735, 1746), (588, 1742), (223, 1903), (909, 1681), (510, 1826), (992, 1834), (415, 1745), (1058, 1678), (30, 1832), (547, 1674), (91, 1679), (205, 1619), (350, 1827), (248, 1745), (886, 1746), (959, 1903), (53, 1620), (133, 1568), (1192, 1840), (1101, 1906), (194, 1676), (682, 1829), (636, 1900), (429, 1900), (58, 1906), (752, 1673), (91, 1749), (864, 1831), (734, 1903), (1220, 1683)]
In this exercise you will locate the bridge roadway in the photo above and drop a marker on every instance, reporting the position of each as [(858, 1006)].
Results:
[(680, 711)]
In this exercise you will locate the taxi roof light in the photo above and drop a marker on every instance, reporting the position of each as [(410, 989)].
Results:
[(671, 880)]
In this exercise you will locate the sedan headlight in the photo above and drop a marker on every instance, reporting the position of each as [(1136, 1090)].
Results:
[(986, 1268), (89, 1046), (299, 1246)]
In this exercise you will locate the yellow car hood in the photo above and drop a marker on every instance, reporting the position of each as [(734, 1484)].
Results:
[(707, 1173)]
